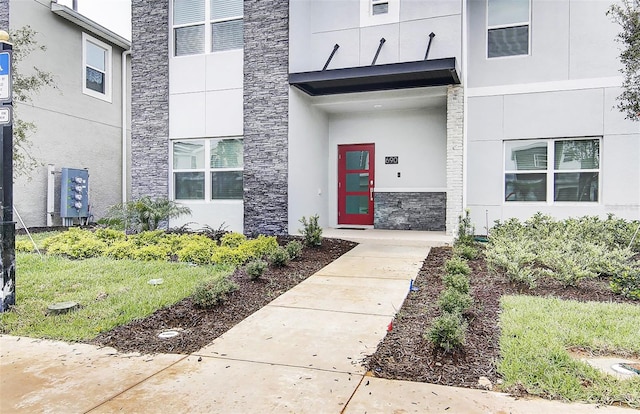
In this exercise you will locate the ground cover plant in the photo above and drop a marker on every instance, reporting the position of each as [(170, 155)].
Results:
[(407, 353)]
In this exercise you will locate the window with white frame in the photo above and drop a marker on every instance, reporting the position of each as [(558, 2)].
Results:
[(379, 7), (96, 68), (508, 27), (218, 178), (201, 26), (552, 170), (377, 12)]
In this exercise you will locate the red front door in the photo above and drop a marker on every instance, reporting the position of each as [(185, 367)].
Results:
[(355, 183)]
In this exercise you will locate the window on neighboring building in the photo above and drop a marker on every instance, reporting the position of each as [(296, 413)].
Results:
[(207, 25), (508, 27), (96, 68), (552, 170), (219, 179), (379, 7)]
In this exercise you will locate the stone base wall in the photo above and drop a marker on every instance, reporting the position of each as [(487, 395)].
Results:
[(455, 156), (150, 99), (266, 112), (410, 211)]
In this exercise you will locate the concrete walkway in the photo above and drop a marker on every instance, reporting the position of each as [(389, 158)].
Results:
[(301, 353)]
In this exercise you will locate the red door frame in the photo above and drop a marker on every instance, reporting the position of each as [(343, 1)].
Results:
[(343, 217)]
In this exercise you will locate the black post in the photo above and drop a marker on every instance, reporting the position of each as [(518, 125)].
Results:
[(8, 227)]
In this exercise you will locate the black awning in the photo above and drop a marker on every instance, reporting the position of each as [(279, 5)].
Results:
[(418, 74)]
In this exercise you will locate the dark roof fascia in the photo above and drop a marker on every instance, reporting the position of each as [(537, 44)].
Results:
[(423, 73)]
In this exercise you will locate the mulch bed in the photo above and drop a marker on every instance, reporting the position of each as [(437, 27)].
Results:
[(405, 354), (198, 327)]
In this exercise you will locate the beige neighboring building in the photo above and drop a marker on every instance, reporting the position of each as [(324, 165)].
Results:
[(80, 123)]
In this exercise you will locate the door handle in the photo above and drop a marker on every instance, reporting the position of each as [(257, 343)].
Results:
[(371, 193)]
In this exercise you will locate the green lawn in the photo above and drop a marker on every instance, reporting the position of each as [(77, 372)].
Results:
[(111, 293), (537, 332)]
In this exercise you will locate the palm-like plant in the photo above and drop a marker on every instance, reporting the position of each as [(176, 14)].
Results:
[(143, 214)]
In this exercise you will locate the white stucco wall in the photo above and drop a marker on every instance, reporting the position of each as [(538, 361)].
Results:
[(566, 87), (308, 168), (73, 129), (318, 25)]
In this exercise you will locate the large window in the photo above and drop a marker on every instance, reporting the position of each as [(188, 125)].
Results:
[(216, 177), (508, 27), (96, 68), (207, 25), (552, 170)]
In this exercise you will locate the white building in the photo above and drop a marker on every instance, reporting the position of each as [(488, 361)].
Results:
[(390, 114), (80, 122)]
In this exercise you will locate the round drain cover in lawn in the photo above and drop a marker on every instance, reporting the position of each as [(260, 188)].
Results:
[(62, 307)]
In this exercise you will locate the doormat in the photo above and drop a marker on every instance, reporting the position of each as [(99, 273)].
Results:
[(350, 228)]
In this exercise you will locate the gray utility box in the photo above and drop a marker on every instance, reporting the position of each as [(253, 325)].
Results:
[(74, 193)]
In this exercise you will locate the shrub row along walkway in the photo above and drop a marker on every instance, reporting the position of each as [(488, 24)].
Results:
[(301, 353)]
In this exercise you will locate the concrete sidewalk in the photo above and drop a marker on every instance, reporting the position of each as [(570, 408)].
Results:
[(301, 353)]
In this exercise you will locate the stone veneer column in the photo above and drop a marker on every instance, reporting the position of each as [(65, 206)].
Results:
[(455, 144), (4, 15), (150, 99), (266, 111)]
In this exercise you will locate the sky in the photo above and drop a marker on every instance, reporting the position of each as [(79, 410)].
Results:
[(115, 15)]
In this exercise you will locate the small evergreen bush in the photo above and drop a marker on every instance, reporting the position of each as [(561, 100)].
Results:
[(466, 230), (627, 282), (120, 250), (255, 269), (457, 265), (110, 236), (75, 243), (465, 251), (151, 253), (311, 231), (232, 239), (24, 246), (456, 281), (448, 332), (196, 249), (212, 292), (294, 248), (279, 257), (453, 301)]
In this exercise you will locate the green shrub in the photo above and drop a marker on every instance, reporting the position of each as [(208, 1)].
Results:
[(110, 236), (457, 265), (229, 256), (279, 257), (24, 246), (150, 253), (255, 269), (453, 301), (466, 230), (212, 292), (465, 251), (120, 250), (294, 248), (456, 281), (196, 249), (260, 246), (75, 243), (232, 239), (448, 332), (627, 282), (311, 231), (148, 238)]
